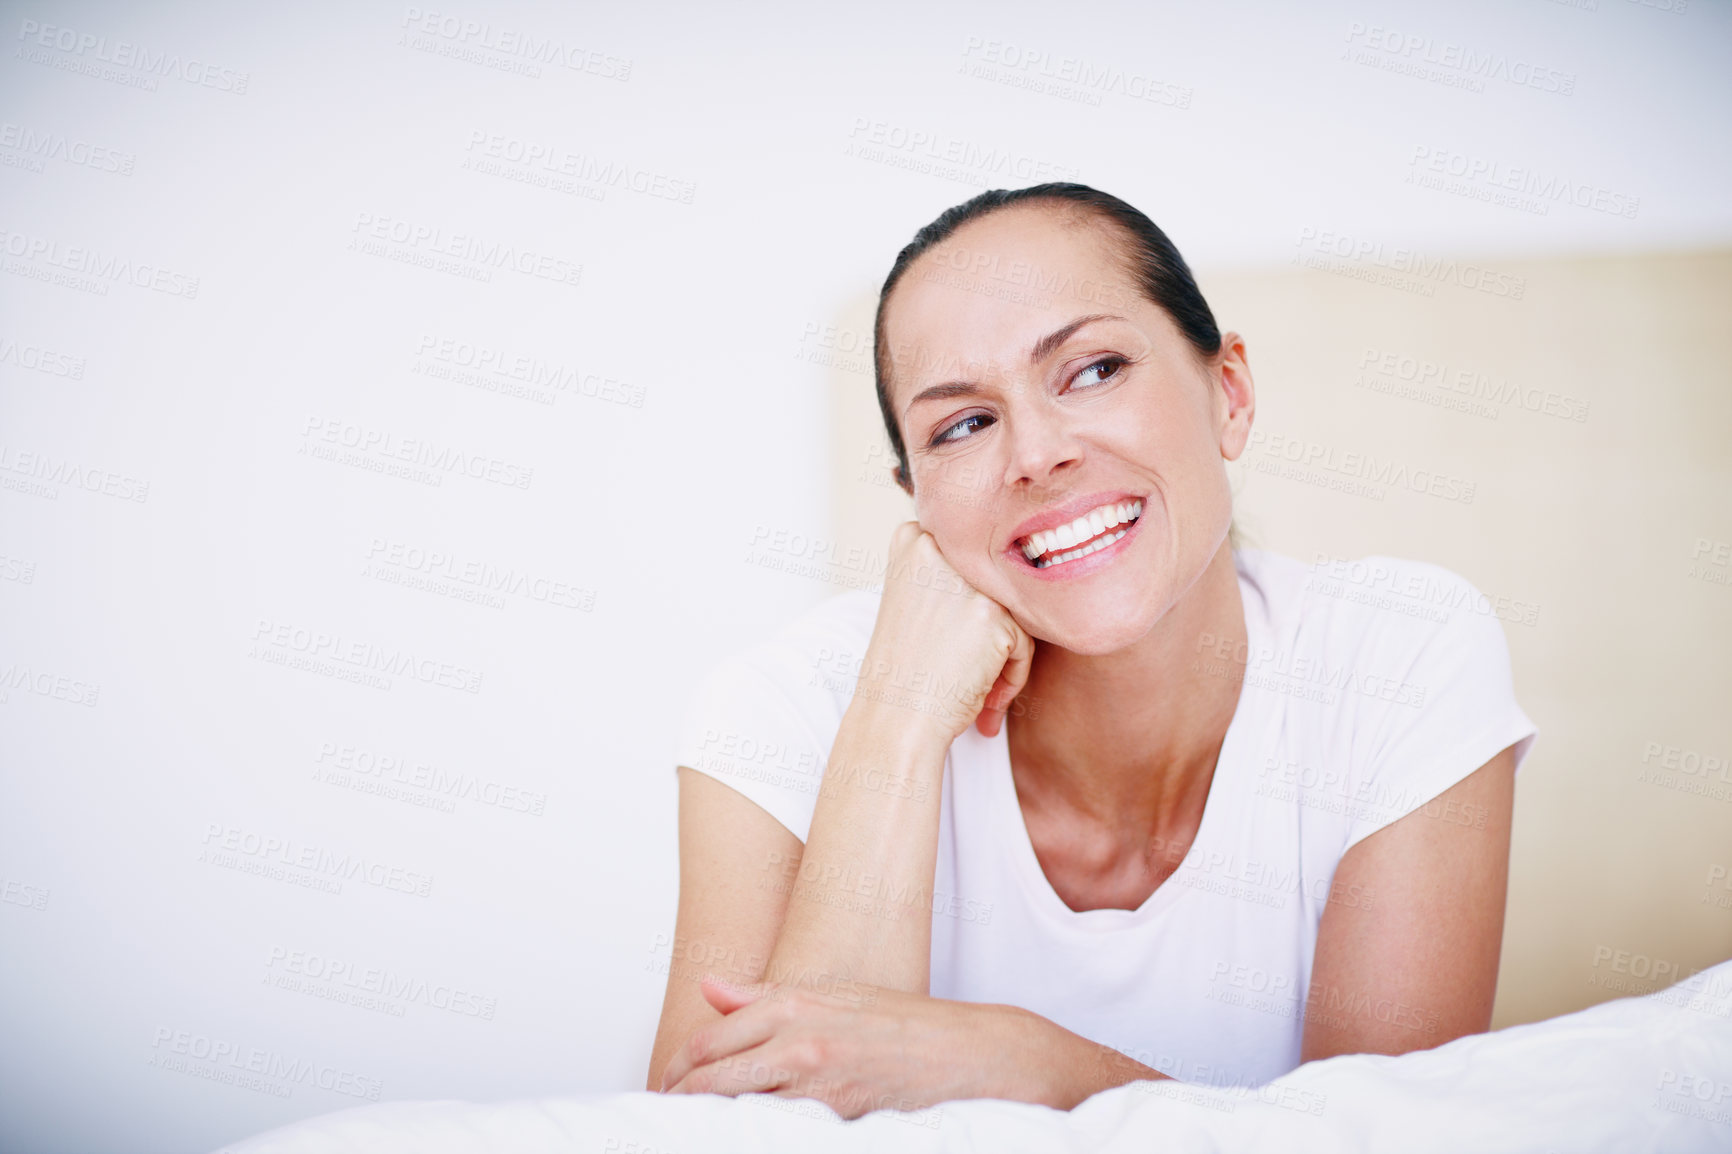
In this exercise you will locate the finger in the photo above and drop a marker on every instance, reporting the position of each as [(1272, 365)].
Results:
[(989, 718), (1011, 680), (904, 536), (728, 996), (749, 1071), (1018, 666), (721, 1039), (840, 1109)]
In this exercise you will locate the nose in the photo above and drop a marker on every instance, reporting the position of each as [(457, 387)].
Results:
[(1042, 448)]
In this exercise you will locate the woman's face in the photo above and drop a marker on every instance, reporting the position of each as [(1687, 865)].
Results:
[(1033, 385)]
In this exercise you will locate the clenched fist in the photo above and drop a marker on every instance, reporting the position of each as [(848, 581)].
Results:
[(940, 647)]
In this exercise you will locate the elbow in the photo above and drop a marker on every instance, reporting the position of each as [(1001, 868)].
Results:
[(661, 1057)]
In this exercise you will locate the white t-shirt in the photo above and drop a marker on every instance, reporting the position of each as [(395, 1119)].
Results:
[(1371, 687)]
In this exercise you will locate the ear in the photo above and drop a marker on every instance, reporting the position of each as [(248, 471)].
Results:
[(1236, 402)]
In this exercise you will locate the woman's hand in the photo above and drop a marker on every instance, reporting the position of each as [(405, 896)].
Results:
[(860, 1049), (940, 646)]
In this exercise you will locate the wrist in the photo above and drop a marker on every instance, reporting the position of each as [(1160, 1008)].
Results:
[(891, 729), (1031, 1057), (921, 693), (1056, 1067)]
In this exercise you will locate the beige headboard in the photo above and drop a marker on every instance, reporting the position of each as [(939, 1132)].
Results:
[(1558, 431)]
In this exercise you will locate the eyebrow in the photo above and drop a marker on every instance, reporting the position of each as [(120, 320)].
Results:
[(1042, 349)]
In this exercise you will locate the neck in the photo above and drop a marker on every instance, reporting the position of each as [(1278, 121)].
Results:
[(1129, 739)]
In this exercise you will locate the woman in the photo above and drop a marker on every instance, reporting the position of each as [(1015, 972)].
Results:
[(1086, 795)]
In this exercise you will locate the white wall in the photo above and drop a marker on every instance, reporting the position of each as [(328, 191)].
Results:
[(164, 517)]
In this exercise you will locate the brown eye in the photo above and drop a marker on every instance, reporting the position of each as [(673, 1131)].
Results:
[(1110, 366), (951, 434)]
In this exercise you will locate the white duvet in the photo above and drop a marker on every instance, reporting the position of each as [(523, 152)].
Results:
[(1638, 1074)]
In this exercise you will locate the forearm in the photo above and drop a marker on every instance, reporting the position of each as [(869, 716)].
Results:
[(963, 1050), (861, 902), (1054, 1067)]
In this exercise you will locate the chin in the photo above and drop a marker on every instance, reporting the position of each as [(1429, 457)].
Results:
[(1097, 633)]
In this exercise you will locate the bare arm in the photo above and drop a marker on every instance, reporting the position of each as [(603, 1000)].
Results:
[(875, 826), (890, 1050), (942, 657), (1417, 966), (730, 909), (755, 904), (856, 904), (862, 902)]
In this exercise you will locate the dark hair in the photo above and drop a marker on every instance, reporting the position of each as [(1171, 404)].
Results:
[(1158, 269)]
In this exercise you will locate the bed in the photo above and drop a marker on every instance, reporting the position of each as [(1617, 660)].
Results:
[(1650, 1073)]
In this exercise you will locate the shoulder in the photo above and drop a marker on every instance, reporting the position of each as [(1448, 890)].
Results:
[(1406, 609), (763, 719), (1406, 666), (822, 647), (1376, 611)]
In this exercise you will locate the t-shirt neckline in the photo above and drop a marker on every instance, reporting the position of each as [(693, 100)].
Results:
[(1012, 830)]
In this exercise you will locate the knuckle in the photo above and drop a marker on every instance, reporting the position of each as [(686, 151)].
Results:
[(812, 1053)]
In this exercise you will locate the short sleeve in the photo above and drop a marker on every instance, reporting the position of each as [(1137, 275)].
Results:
[(1442, 705), (754, 724)]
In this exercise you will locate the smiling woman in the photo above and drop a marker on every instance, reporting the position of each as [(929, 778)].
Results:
[(1087, 794)]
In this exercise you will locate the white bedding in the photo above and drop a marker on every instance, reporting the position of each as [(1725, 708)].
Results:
[(1639, 1074)]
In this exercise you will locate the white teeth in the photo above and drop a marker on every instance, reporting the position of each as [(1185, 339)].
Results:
[(1089, 526), (1083, 552)]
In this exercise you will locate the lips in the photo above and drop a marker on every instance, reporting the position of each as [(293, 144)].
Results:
[(1077, 528)]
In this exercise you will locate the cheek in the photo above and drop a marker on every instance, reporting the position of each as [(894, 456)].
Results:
[(963, 527), (963, 480), (1153, 420), (956, 527), (1171, 439), (955, 495)]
